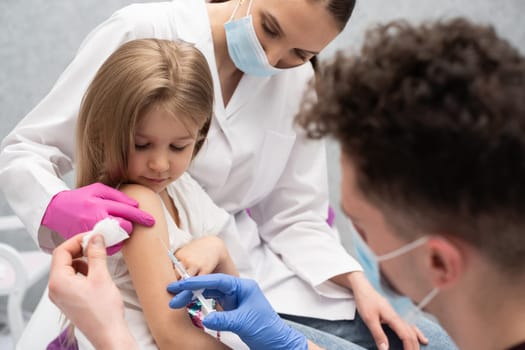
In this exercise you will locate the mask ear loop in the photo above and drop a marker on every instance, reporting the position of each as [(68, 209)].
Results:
[(411, 315), (249, 7), (426, 300), (404, 249), (239, 3)]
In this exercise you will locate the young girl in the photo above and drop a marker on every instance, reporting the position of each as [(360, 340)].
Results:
[(143, 119)]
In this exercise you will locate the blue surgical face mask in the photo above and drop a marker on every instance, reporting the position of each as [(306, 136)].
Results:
[(412, 314), (370, 263), (244, 47)]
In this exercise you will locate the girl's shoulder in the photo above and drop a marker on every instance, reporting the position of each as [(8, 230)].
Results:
[(140, 193)]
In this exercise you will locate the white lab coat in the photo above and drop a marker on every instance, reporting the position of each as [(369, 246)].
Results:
[(254, 158)]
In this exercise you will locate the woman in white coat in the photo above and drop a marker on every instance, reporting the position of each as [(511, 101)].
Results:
[(254, 159)]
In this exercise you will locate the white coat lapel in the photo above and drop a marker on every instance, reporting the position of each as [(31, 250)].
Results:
[(248, 88)]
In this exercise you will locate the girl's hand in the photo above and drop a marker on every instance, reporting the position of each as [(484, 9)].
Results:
[(203, 256), (375, 310)]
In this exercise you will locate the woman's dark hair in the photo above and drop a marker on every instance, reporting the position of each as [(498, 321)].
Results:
[(340, 9)]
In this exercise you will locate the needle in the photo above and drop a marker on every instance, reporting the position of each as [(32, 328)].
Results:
[(206, 306)]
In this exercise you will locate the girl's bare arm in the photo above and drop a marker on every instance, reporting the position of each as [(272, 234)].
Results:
[(151, 271)]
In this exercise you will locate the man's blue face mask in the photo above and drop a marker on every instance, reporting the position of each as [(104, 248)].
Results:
[(244, 47), (370, 263)]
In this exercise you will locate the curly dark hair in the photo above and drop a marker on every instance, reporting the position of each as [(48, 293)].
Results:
[(433, 119)]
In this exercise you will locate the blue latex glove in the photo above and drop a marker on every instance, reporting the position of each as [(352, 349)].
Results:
[(247, 312)]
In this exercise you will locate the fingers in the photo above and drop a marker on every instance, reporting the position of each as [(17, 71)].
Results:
[(221, 321), (124, 224), (380, 338), (129, 213), (66, 252), (114, 248), (221, 282), (420, 336), (96, 254), (181, 300), (106, 192), (186, 296), (61, 265), (192, 271), (404, 331)]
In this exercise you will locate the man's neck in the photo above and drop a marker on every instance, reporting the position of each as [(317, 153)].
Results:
[(488, 321), (512, 321)]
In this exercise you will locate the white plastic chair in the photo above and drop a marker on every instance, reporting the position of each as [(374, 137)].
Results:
[(18, 272)]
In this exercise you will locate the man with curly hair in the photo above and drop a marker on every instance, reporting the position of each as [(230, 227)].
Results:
[(431, 123)]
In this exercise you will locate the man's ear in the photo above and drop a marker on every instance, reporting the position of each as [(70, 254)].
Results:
[(446, 262)]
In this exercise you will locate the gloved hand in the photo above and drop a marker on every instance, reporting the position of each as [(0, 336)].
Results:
[(75, 211), (247, 312)]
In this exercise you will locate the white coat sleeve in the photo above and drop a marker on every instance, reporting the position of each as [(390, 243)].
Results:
[(292, 218), (40, 149)]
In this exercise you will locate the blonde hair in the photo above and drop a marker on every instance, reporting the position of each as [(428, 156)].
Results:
[(172, 75)]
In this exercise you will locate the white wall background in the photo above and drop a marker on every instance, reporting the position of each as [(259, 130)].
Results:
[(38, 38)]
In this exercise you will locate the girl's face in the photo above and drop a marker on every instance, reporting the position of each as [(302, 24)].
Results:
[(162, 149), (291, 31)]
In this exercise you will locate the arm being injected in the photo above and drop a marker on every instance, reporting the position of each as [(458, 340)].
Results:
[(206, 306)]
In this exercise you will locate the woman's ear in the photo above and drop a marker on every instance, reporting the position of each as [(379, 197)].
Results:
[(446, 262)]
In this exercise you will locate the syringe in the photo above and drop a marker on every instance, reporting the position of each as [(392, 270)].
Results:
[(206, 306)]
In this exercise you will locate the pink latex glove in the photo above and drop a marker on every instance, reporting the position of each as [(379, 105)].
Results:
[(76, 211)]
